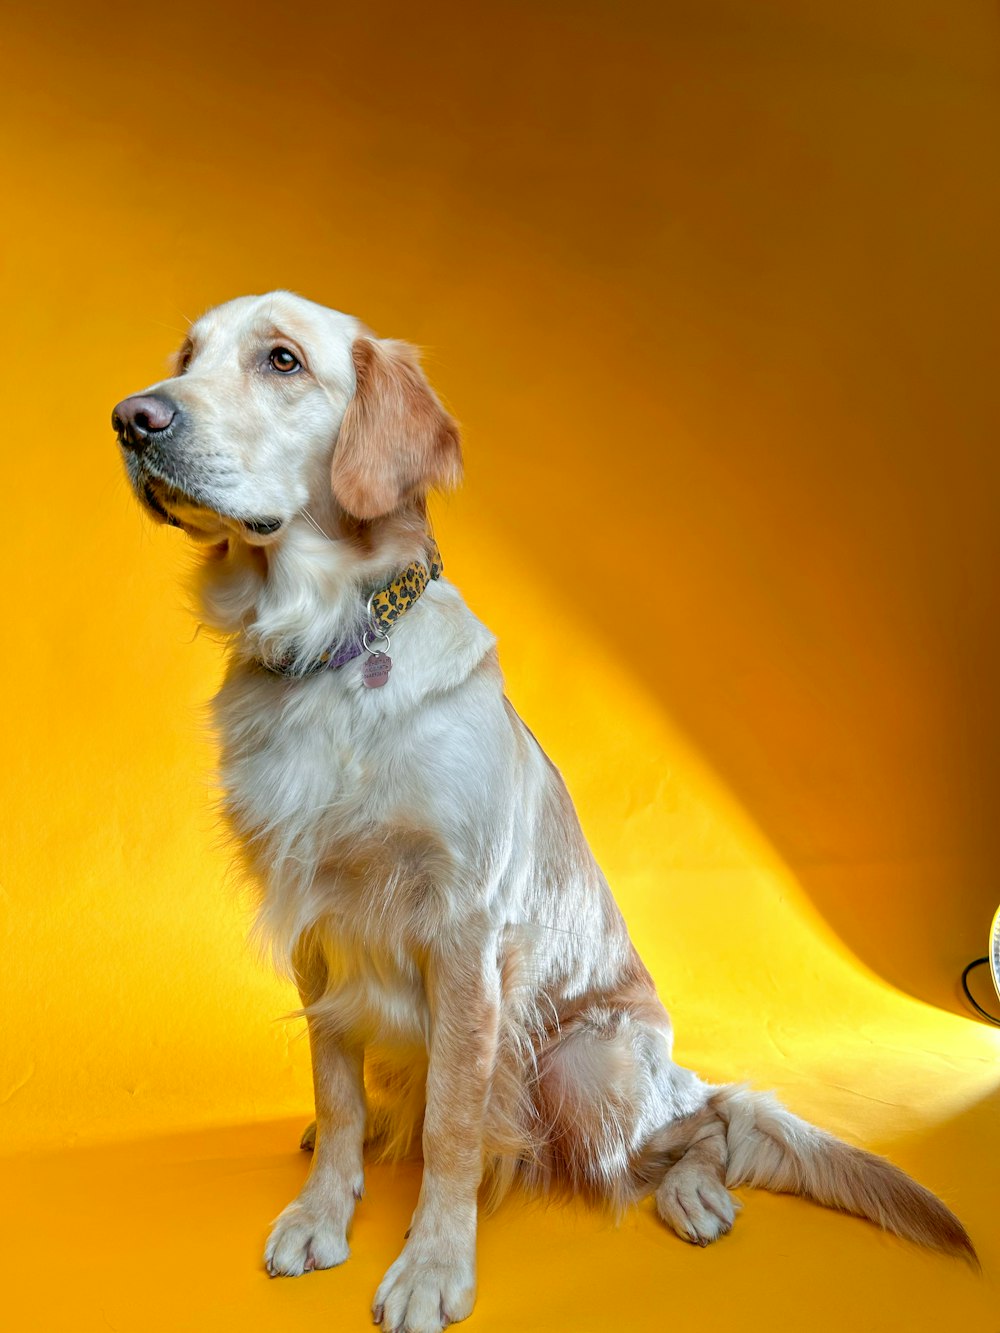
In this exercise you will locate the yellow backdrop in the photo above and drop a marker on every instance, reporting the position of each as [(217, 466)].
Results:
[(713, 288)]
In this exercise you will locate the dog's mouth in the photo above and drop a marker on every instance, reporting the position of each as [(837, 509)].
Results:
[(262, 527), (170, 503)]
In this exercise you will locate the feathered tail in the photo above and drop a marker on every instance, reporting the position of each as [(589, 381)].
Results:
[(741, 1137)]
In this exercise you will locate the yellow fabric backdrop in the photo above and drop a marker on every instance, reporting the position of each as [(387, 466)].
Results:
[(713, 288)]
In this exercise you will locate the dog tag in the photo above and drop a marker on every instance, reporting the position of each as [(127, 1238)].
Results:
[(375, 671)]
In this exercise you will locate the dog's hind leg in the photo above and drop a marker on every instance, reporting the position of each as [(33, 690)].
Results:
[(692, 1197), (618, 1113), (624, 1121)]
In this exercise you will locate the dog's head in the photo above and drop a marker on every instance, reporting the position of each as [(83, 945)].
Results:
[(276, 406)]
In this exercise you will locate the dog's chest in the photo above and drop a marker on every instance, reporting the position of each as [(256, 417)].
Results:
[(303, 764), (336, 816)]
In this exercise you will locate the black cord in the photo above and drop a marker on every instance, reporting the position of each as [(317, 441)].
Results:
[(990, 1018)]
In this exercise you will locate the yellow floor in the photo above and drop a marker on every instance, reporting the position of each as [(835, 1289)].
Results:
[(165, 1234), (712, 288)]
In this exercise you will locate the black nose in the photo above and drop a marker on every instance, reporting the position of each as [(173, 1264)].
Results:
[(143, 415)]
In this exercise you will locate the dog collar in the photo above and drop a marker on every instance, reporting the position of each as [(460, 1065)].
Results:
[(384, 608)]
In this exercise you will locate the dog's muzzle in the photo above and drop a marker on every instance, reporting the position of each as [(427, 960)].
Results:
[(147, 420)]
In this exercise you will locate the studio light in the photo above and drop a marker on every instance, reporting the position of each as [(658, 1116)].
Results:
[(993, 960)]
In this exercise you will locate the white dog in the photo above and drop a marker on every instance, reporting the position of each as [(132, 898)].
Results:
[(420, 867)]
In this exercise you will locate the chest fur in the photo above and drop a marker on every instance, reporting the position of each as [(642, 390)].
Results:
[(342, 828)]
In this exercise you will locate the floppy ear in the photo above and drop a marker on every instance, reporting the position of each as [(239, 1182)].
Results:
[(396, 440)]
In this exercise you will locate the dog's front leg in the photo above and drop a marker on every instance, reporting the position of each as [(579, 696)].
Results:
[(433, 1282), (312, 1231)]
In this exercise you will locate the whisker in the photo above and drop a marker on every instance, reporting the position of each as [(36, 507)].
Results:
[(313, 524), (172, 327)]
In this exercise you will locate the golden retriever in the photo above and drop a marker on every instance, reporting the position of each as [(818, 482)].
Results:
[(420, 868)]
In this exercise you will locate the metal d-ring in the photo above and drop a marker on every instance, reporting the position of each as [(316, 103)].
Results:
[(374, 634)]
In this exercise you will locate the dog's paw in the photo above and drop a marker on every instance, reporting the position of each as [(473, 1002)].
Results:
[(693, 1201), (423, 1296), (306, 1236)]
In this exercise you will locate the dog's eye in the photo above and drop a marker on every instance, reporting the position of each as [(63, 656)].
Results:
[(282, 359), (184, 360)]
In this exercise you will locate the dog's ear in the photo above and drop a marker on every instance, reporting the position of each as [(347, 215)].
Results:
[(396, 440)]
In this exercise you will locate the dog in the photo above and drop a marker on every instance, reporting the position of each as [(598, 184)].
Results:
[(466, 975)]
